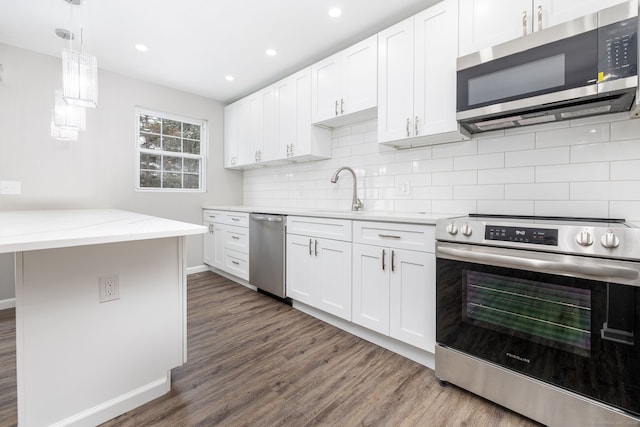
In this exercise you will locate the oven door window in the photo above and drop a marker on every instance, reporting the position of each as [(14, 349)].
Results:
[(581, 335), (553, 315)]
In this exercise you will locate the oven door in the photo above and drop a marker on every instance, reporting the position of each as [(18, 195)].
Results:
[(567, 320)]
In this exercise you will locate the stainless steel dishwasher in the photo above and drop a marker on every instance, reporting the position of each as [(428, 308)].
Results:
[(267, 253)]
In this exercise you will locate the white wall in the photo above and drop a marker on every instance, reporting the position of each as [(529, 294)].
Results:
[(98, 170), (587, 167)]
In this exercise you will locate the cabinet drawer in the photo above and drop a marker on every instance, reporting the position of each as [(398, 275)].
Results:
[(236, 263), (209, 215), (236, 238), (336, 229), (415, 237), (240, 219)]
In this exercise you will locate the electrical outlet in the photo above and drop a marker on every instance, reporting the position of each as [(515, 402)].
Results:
[(109, 288), (10, 187)]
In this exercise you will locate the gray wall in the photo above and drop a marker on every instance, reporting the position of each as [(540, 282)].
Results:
[(98, 170)]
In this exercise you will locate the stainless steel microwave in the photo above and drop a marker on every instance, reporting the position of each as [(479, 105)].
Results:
[(585, 67)]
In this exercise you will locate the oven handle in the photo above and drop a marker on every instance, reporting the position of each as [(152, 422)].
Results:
[(598, 270)]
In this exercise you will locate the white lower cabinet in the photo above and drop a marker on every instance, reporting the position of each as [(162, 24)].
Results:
[(226, 245), (394, 287), (319, 268)]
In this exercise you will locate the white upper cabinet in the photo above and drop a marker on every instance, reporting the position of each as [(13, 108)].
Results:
[(417, 79), (486, 23), (297, 139), (231, 136), (344, 86)]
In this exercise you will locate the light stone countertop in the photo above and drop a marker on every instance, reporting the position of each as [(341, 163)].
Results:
[(383, 216), (47, 229)]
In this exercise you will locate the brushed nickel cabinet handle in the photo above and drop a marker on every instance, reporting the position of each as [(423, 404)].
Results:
[(235, 262), (336, 107), (235, 237), (316, 247), (524, 23), (393, 260), (408, 124), (310, 252), (389, 236), (416, 126), (539, 17), (341, 106), (384, 254)]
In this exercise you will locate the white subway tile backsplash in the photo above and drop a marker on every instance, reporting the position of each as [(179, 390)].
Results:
[(618, 150), (454, 178), (552, 169), (480, 161), (525, 141), (625, 170), (507, 176), (582, 209), (573, 172), (574, 135), (554, 191), (544, 156)]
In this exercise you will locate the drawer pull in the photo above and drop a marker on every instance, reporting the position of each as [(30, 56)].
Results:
[(384, 254), (235, 237), (388, 236), (235, 262), (235, 219), (393, 261)]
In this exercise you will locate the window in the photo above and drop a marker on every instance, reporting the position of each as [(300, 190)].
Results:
[(170, 152)]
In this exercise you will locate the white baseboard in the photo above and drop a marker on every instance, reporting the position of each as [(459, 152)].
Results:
[(197, 269), (7, 303), (118, 405), (422, 357)]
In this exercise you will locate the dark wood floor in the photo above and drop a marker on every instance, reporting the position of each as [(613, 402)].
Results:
[(254, 361)]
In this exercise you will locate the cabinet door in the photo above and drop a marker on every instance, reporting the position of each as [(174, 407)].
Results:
[(486, 23), (554, 12), (334, 276), (412, 298), (268, 148), (371, 287), (218, 246), (325, 90), (435, 69), (301, 276), (244, 132), (395, 81), (302, 144), (359, 76), (285, 116), (231, 136), (208, 244), (255, 126)]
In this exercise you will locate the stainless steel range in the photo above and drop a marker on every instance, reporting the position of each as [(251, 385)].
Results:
[(542, 315)]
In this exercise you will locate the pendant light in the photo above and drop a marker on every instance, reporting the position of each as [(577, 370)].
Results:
[(68, 116), (79, 72)]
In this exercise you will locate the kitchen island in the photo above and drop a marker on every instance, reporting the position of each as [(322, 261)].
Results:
[(81, 361)]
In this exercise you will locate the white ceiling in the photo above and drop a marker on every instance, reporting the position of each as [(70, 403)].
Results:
[(194, 44)]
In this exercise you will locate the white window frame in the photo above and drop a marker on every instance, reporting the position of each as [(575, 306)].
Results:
[(204, 138)]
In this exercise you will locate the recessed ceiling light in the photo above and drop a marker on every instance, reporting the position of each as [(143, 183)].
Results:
[(271, 52), (142, 47), (334, 12), (229, 78)]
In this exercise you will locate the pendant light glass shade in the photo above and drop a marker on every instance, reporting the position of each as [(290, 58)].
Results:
[(63, 134), (68, 116), (80, 78)]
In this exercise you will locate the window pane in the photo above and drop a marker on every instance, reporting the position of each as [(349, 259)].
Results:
[(191, 181), (149, 141), (150, 179), (150, 123), (172, 163), (171, 180), (192, 165), (171, 127), (192, 147), (171, 144), (150, 161), (191, 131)]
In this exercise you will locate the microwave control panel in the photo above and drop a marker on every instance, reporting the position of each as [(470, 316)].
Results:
[(618, 50)]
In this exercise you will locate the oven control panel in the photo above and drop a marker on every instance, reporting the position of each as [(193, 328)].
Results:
[(537, 236)]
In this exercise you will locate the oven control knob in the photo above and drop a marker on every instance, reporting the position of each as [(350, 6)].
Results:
[(466, 229), (452, 229), (610, 240), (585, 238)]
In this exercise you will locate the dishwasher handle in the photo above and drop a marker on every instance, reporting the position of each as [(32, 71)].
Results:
[(269, 218)]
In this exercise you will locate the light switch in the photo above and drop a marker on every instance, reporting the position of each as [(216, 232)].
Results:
[(10, 187)]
